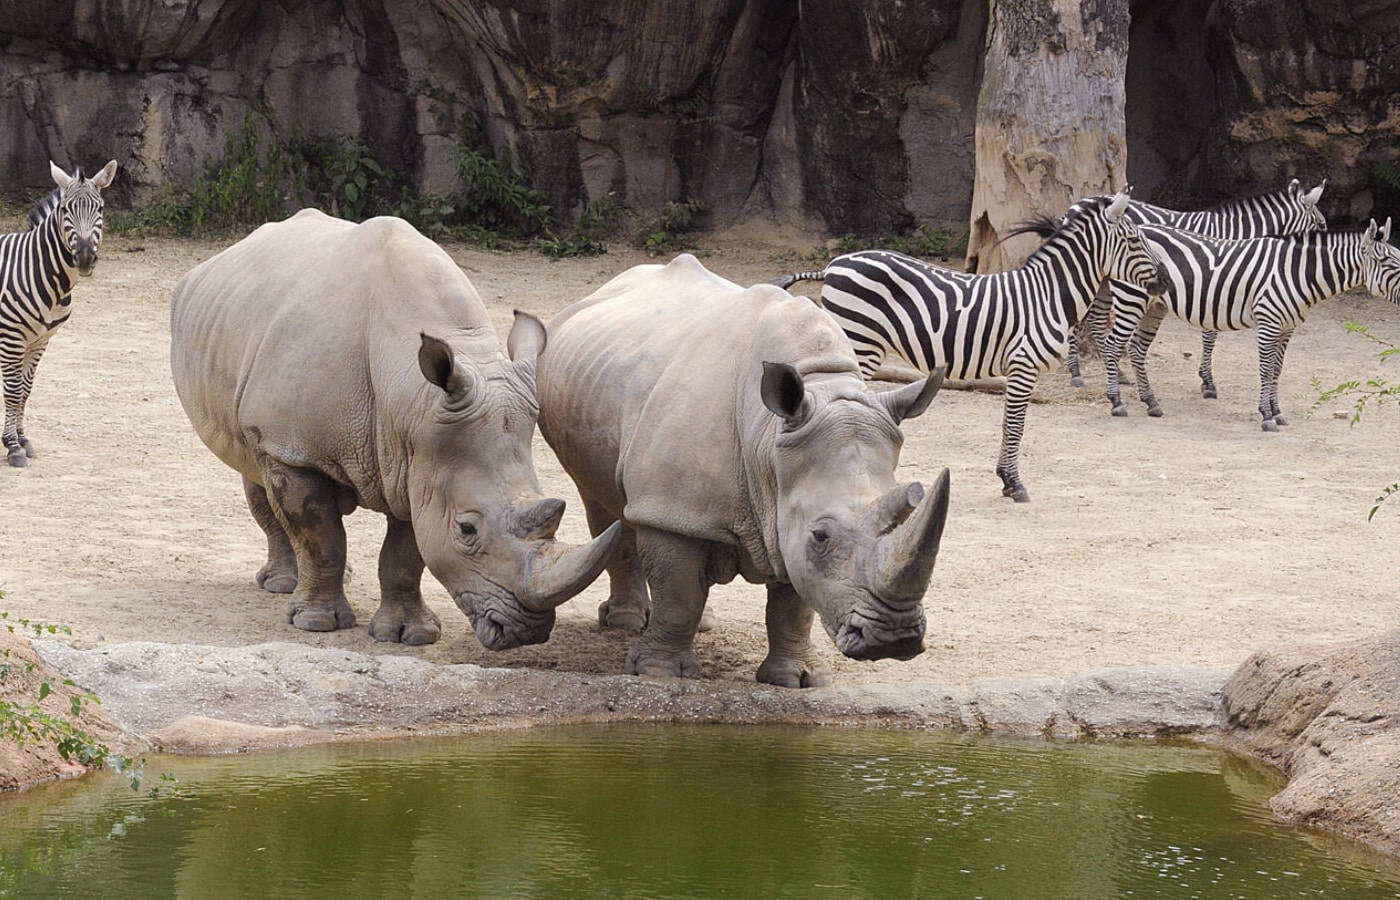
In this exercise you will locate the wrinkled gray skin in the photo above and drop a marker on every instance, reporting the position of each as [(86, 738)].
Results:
[(730, 432), (337, 366)]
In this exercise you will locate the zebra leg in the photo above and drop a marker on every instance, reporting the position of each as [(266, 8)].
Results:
[(18, 376), (1283, 339), (1090, 328), (1072, 358), (279, 574), (402, 616), (1270, 358), (309, 506), (629, 604), (1019, 384), (1143, 337), (1207, 376)]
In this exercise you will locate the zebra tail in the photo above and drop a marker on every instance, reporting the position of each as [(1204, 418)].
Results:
[(787, 281)]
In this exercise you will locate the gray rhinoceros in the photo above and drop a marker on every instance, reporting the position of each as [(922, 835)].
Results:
[(337, 366), (729, 431)]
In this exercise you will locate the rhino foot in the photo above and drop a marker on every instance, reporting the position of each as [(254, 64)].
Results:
[(392, 625), (659, 664), (793, 672), (612, 614), (276, 579), (322, 616)]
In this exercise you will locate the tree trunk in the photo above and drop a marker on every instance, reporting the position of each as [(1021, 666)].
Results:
[(1050, 118)]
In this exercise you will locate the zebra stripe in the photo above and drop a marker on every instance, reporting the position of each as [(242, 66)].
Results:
[(1289, 211), (36, 282), (1014, 324), (1265, 283)]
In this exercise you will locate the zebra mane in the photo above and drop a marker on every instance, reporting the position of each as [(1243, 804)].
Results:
[(44, 208), (1048, 229)]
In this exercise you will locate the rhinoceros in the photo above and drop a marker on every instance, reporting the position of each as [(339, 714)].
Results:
[(728, 429), (337, 366)]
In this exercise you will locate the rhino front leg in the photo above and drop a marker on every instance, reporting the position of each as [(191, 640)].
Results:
[(675, 570), (309, 507), (628, 603), (402, 616), (792, 659), (279, 574)]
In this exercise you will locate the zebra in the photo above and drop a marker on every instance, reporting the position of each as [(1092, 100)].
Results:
[(1015, 323), (37, 268), (1266, 283), (1289, 211)]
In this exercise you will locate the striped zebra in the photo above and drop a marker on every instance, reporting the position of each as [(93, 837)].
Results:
[(37, 267), (1265, 283), (1015, 323), (1289, 211)]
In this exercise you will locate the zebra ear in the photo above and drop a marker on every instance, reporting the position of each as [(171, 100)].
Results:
[(60, 177), (1119, 205), (104, 177), (1385, 231), (1295, 188), (1371, 230), (1315, 194)]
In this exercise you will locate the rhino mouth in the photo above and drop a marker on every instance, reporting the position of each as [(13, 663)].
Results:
[(864, 637), (502, 623)]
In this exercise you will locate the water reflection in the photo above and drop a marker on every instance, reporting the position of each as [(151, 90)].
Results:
[(682, 812)]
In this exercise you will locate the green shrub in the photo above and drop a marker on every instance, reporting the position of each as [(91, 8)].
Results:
[(1373, 392)]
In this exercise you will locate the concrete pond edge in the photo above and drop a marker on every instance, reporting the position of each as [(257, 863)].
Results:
[(1325, 716)]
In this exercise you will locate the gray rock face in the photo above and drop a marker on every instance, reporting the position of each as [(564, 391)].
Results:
[(858, 117)]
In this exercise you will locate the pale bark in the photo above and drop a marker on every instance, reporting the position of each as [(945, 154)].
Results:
[(1050, 118)]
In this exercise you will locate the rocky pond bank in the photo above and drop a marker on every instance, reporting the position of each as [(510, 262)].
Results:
[(1324, 715)]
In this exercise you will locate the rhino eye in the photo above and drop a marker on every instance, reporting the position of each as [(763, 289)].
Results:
[(820, 536), (468, 530)]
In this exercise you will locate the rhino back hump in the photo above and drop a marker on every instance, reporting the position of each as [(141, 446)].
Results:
[(649, 392), (294, 341)]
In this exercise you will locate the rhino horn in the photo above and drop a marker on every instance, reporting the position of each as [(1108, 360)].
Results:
[(889, 511), (538, 519), (905, 556), (555, 573)]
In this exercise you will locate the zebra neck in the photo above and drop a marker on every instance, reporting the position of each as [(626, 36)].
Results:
[(1327, 263), (57, 264)]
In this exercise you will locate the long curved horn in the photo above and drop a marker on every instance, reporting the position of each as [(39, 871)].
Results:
[(905, 556), (555, 573)]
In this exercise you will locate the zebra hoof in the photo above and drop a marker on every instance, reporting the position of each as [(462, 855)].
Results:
[(1269, 425), (29, 450), (1119, 410), (1016, 492), (1076, 381), (1278, 420), (1154, 411), (18, 458), (1208, 392)]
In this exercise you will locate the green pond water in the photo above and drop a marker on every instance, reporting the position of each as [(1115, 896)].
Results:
[(681, 811)]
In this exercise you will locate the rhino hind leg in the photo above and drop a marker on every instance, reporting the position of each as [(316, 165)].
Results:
[(675, 570), (792, 658), (279, 574), (402, 616), (309, 507), (629, 604)]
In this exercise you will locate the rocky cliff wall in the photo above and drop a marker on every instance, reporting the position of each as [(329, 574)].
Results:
[(857, 117)]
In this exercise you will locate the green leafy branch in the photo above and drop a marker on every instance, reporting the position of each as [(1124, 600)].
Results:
[(1371, 393)]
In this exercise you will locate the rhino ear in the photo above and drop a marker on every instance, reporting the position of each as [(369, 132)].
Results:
[(783, 393), (436, 360), (911, 400), (527, 337)]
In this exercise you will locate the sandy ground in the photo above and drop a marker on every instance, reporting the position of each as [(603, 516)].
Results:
[(1192, 539)]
